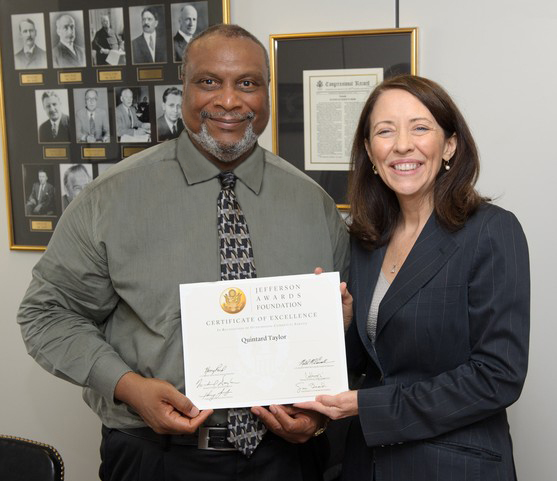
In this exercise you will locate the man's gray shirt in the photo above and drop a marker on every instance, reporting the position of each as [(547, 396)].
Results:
[(104, 298)]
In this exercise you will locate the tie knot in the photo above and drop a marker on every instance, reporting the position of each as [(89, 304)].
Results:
[(227, 180)]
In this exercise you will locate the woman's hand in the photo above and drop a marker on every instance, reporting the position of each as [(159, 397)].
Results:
[(347, 301), (340, 406)]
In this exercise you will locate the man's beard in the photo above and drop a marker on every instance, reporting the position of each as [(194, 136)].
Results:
[(219, 150)]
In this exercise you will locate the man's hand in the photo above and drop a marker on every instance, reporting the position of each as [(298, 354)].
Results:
[(160, 405), (341, 406), (293, 424)]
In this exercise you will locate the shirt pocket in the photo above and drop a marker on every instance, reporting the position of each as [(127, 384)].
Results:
[(477, 452)]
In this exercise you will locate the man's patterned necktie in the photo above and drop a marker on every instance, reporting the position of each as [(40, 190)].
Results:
[(245, 430), (91, 125)]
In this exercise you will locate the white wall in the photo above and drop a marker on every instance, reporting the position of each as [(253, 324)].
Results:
[(498, 61), (34, 404)]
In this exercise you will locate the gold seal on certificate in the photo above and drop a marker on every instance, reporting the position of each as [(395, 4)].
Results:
[(261, 341), (232, 300)]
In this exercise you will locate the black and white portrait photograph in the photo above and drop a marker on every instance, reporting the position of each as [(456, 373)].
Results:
[(148, 34), (39, 189), (29, 41), (91, 115), (168, 106), (68, 39), (106, 29), (73, 179), (53, 121), (132, 114), (187, 20)]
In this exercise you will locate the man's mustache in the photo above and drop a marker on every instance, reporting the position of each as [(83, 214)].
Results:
[(228, 115)]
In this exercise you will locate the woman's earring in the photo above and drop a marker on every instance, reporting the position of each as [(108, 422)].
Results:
[(446, 164), (374, 168)]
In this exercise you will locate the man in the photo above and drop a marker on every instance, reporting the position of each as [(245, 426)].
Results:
[(150, 46), (127, 122), (31, 55), (103, 308), (188, 26), (104, 41), (41, 200), (170, 124), (76, 178), (67, 53), (57, 127), (91, 122)]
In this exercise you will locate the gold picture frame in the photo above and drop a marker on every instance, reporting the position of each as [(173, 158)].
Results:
[(393, 50)]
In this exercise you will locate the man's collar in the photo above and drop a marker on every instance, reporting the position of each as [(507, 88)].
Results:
[(55, 122), (147, 35), (68, 46), (30, 50), (170, 124), (197, 168), (186, 37)]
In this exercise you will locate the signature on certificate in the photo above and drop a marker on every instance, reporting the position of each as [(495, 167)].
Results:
[(216, 382), (320, 361), (312, 382), (212, 394), (217, 370)]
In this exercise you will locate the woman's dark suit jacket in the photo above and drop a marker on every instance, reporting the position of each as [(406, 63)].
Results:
[(450, 355)]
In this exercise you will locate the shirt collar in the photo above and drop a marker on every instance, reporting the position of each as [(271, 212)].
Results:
[(30, 50), (186, 37), (69, 46), (197, 168), (170, 124)]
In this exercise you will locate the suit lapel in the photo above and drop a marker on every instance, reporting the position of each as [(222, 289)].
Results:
[(369, 265), (432, 250)]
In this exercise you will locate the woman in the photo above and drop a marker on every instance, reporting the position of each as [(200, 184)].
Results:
[(440, 282)]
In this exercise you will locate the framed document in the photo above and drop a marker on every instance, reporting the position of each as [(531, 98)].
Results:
[(319, 82), (255, 342), (80, 89)]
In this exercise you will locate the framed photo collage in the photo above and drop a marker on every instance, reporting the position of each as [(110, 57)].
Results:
[(82, 86)]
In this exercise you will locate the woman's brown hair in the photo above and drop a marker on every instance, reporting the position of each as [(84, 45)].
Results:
[(374, 206)]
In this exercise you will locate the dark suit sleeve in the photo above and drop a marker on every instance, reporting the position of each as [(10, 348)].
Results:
[(105, 125), (32, 200), (96, 43), (356, 355), (48, 199), (492, 379)]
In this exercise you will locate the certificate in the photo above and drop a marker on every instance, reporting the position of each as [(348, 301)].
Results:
[(113, 57), (255, 342), (333, 101)]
